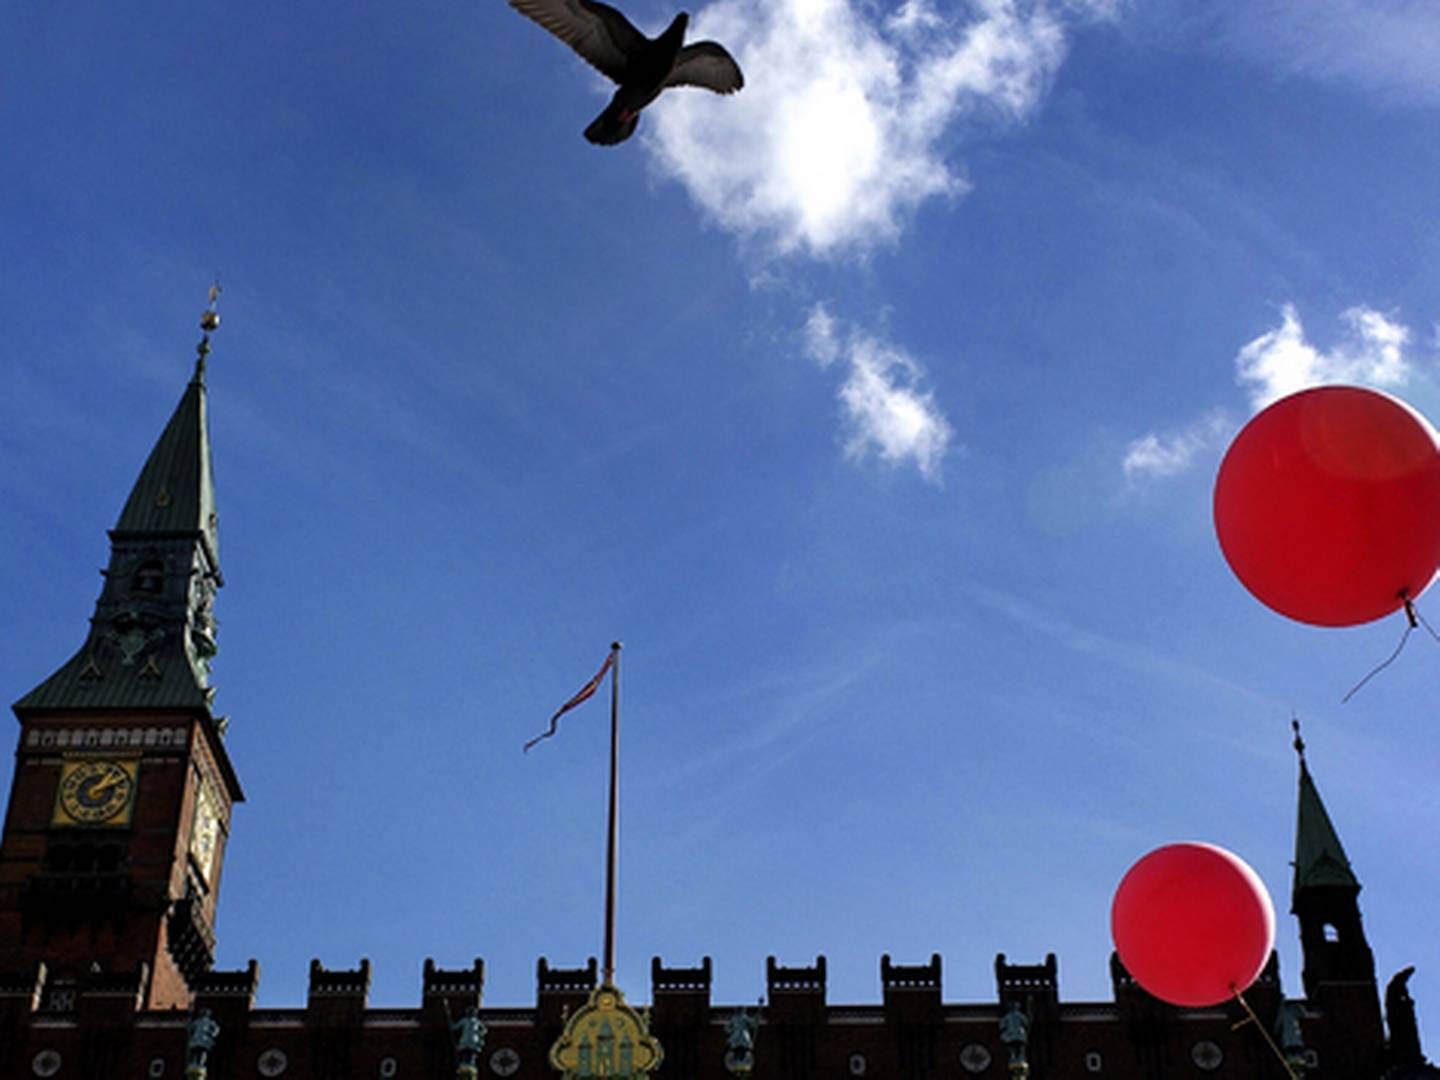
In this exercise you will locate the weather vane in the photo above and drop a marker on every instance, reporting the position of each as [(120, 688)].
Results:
[(209, 322)]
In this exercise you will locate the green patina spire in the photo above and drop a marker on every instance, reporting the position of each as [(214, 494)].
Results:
[(175, 492), (1319, 857), (153, 632)]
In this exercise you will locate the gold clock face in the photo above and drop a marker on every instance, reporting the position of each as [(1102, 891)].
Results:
[(94, 792), (205, 833)]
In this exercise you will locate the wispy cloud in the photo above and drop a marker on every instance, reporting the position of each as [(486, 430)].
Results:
[(1384, 46), (1154, 455), (838, 134), (886, 410), (1370, 352), (1113, 651)]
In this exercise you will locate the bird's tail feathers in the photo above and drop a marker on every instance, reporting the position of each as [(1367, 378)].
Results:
[(612, 126)]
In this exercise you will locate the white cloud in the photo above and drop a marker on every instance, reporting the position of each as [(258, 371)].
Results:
[(886, 411), (837, 135), (1282, 361), (1155, 456), (1371, 352)]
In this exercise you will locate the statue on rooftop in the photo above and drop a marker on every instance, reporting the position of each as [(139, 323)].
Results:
[(1290, 1037), (1287, 1027), (200, 1033), (469, 1041), (740, 1031), (1015, 1034)]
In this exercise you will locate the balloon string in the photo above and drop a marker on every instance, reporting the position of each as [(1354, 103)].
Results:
[(1412, 618), (1251, 1018), (1415, 615)]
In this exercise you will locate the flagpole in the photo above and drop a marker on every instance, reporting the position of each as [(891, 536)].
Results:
[(612, 844)]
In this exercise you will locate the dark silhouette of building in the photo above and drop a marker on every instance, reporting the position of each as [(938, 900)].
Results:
[(110, 870)]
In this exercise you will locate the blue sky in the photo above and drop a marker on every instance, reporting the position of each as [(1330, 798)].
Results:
[(875, 408)]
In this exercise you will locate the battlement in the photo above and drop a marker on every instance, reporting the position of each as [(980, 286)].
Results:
[(911, 1033), (679, 980)]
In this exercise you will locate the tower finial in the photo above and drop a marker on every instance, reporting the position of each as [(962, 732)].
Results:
[(1299, 743), (209, 322)]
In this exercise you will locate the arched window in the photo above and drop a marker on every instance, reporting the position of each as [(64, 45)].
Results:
[(1331, 932)]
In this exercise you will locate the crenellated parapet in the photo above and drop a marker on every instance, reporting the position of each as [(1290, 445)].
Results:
[(910, 1034)]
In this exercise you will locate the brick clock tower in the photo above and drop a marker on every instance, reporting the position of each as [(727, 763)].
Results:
[(120, 808)]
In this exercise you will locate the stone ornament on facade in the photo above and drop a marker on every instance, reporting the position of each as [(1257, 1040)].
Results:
[(974, 1058), (1207, 1055), (272, 1062), (46, 1063), (388, 1067), (857, 1064), (606, 1038), (504, 1062)]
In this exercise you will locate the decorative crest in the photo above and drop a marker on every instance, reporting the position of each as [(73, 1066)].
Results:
[(606, 1038)]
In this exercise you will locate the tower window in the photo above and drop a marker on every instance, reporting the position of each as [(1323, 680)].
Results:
[(1330, 932)]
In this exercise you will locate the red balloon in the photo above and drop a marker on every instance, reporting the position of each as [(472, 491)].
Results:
[(1193, 924), (1327, 505)]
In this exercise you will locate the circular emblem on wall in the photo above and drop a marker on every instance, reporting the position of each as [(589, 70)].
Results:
[(1093, 1061), (504, 1062), (974, 1058), (857, 1064), (157, 1068), (46, 1063), (272, 1062), (389, 1067), (1206, 1055)]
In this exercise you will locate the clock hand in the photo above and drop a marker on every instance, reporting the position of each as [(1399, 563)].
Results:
[(104, 785), (109, 781)]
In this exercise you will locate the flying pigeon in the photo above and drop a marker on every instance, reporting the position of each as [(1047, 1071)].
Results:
[(642, 66)]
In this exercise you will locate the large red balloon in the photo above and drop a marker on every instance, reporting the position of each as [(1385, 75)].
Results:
[(1193, 924), (1327, 505)]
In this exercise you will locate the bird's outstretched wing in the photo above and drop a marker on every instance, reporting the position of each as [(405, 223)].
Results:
[(707, 64), (601, 35)]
